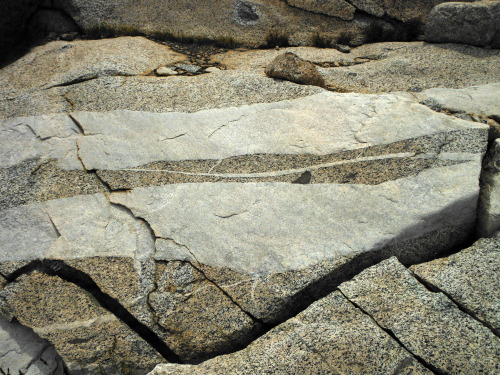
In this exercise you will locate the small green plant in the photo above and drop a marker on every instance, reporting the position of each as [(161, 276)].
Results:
[(226, 42), (344, 38), (105, 30), (321, 41), (277, 38)]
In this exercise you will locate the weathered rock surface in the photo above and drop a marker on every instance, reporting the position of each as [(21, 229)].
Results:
[(428, 324), (81, 79), (63, 63), (226, 222), (370, 68), (247, 21), (382, 67), (476, 103), (470, 278), (23, 352), (476, 23), (330, 337), (292, 68), (489, 199)]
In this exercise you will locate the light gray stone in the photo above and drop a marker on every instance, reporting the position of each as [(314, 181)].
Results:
[(42, 137), (489, 199), (470, 278), (24, 352), (475, 23), (264, 240), (428, 324), (116, 250), (330, 337), (164, 71), (479, 100), (124, 139)]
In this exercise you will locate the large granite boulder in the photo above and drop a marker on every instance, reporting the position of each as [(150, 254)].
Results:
[(476, 23), (247, 21)]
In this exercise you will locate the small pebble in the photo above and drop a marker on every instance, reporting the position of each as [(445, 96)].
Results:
[(164, 71), (212, 69)]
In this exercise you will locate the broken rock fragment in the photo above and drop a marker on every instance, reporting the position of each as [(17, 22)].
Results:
[(428, 324), (292, 68)]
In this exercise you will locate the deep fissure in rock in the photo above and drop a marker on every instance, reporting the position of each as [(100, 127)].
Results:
[(75, 276)]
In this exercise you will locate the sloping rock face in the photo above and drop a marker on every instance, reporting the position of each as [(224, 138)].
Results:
[(383, 67), (371, 68), (133, 237), (475, 23), (385, 321), (247, 21)]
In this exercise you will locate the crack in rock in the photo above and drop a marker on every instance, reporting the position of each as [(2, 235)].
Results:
[(424, 363), (79, 278)]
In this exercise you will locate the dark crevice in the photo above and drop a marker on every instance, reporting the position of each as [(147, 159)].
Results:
[(435, 289), (74, 82), (77, 123), (265, 325), (75, 276), (419, 359)]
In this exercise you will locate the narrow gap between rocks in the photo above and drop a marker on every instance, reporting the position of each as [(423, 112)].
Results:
[(435, 289), (424, 363), (75, 276)]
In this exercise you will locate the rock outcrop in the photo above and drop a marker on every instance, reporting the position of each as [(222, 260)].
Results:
[(384, 67), (227, 222), (220, 215), (385, 321), (476, 23)]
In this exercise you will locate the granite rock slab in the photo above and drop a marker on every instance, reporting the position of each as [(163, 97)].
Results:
[(470, 279), (330, 337), (428, 324)]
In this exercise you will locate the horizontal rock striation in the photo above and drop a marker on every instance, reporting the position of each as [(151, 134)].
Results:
[(181, 236)]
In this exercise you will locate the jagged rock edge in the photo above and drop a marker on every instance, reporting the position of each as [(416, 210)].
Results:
[(435, 289), (419, 359), (84, 281)]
